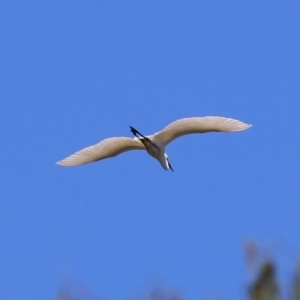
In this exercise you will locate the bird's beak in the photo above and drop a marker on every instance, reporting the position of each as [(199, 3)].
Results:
[(170, 166)]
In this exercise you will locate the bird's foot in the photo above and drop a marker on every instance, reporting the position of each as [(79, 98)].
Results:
[(136, 133)]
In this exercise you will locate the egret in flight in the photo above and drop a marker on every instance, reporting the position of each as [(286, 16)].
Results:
[(154, 144)]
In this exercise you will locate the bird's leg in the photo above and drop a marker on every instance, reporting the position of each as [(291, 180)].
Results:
[(135, 132), (144, 138)]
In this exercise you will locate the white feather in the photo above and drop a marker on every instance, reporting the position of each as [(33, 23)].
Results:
[(197, 125), (154, 144), (107, 148)]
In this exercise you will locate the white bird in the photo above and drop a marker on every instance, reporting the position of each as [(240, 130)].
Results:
[(154, 144)]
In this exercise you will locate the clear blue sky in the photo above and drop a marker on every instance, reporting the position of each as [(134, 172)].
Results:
[(76, 72)]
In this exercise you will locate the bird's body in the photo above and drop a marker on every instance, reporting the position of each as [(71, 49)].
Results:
[(154, 144), (155, 149)]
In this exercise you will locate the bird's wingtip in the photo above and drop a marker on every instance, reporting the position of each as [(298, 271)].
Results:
[(63, 163), (244, 126), (59, 163)]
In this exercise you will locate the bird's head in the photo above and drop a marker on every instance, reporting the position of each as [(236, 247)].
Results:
[(168, 162)]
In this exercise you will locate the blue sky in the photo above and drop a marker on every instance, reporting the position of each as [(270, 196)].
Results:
[(76, 72)]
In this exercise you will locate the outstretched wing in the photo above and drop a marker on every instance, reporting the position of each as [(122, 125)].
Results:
[(197, 125), (107, 148)]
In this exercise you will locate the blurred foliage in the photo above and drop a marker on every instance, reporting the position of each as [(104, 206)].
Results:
[(263, 284), (78, 292), (296, 283)]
